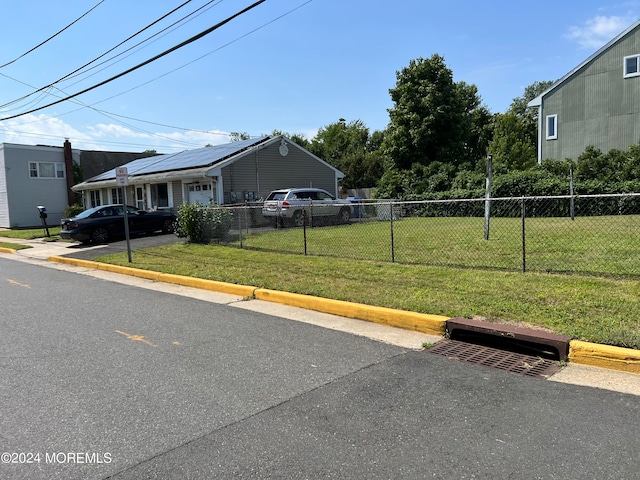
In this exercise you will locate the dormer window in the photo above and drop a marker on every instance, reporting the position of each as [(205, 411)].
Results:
[(631, 66)]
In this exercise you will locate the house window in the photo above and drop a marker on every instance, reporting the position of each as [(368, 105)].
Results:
[(552, 127), (160, 195), (94, 198), (631, 66), (46, 170), (116, 195)]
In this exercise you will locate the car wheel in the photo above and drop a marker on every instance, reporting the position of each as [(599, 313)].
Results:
[(344, 216), (298, 219), (167, 226), (100, 235)]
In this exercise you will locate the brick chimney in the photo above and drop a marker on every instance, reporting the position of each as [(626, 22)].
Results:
[(68, 167)]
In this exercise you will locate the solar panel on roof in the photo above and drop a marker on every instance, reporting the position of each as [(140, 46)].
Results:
[(200, 157)]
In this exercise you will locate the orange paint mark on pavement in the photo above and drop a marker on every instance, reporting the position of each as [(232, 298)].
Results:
[(136, 338), (13, 282)]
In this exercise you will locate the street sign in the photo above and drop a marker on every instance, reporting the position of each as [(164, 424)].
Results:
[(122, 178)]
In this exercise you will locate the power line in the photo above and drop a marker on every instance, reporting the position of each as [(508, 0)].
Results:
[(52, 36), (153, 59), (102, 55)]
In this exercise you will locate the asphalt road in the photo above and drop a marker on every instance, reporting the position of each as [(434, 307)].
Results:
[(104, 380)]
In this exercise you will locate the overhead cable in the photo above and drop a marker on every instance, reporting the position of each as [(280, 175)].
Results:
[(52, 36), (99, 57), (153, 59)]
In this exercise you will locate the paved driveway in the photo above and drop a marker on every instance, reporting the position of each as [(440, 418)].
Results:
[(89, 252)]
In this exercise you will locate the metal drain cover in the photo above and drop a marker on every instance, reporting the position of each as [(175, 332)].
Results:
[(494, 358)]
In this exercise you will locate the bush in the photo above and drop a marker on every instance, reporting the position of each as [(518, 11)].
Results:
[(73, 210), (202, 224)]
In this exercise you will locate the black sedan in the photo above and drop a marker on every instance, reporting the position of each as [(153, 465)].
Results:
[(99, 224)]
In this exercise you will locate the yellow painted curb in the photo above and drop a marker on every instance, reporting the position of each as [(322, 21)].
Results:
[(7, 250), (604, 356), (211, 285), (419, 322), (74, 261)]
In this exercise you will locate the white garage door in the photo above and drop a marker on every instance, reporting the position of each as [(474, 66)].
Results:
[(200, 194)]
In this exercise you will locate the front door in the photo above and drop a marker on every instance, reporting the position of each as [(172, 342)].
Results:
[(140, 198)]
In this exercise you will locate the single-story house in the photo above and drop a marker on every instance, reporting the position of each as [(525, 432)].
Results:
[(232, 173), (597, 103), (32, 176)]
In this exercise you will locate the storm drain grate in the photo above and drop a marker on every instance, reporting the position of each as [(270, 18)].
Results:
[(494, 358)]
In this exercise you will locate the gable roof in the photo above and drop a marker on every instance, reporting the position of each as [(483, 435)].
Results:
[(205, 161), (537, 102), (186, 160)]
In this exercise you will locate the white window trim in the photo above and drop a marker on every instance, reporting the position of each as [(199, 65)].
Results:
[(57, 167), (555, 127), (624, 66)]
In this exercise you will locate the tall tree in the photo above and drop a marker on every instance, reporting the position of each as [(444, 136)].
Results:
[(515, 137), (431, 120), (350, 148)]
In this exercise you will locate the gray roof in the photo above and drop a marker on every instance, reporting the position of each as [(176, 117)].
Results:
[(189, 159), (536, 102)]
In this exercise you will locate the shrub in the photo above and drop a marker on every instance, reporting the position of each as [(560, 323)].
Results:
[(202, 224), (72, 210)]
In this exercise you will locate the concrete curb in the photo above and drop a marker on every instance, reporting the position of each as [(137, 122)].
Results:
[(418, 322), (212, 285), (604, 356), (7, 250)]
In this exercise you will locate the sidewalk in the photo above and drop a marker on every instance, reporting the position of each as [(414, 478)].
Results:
[(322, 312)]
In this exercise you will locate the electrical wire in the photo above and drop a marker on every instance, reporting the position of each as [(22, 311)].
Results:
[(110, 114), (52, 36), (102, 55), (146, 62)]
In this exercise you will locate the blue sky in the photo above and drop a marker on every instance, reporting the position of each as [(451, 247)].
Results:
[(291, 65)]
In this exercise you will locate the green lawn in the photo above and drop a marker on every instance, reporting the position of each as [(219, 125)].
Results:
[(606, 245), (29, 234), (603, 310), (14, 246)]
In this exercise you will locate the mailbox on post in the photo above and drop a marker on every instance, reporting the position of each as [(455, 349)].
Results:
[(43, 218)]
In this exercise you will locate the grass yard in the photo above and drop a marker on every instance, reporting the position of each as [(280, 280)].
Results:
[(605, 245), (13, 246), (30, 234), (602, 310)]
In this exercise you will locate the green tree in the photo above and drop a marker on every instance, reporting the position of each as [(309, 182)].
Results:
[(238, 136), (350, 148), (432, 116), (514, 143), (515, 135)]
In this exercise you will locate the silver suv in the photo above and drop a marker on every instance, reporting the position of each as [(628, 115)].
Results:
[(286, 206)]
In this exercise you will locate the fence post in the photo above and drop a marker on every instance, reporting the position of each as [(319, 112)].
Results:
[(572, 201), (304, 229), (524, 250), (240, 225), (487, 196), (393, 251)]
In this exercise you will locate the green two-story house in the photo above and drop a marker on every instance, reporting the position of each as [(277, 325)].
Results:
[(597, 103)]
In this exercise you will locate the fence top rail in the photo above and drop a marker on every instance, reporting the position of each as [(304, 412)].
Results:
[(455, 200)]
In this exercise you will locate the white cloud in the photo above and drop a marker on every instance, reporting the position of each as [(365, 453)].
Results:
[(45, 130), (599, 30)]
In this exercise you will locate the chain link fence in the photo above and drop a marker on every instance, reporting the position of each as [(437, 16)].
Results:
[(593, 234)]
